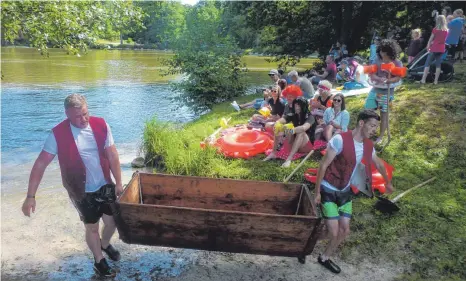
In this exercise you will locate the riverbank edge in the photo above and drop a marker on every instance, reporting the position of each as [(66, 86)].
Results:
[(147, 47)]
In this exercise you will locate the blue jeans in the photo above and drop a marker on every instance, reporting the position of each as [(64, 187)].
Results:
[(438, 59)]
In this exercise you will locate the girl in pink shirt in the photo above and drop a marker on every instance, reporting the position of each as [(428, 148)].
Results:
[(436, 47)]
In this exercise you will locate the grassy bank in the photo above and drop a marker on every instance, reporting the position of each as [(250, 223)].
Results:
[(427, 237)]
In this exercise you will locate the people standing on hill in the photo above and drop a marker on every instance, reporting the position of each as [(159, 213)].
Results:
[(387, 52), (446, 11), (461, 46), (416, 44), (436, 48), (86, 155), (455, 29)]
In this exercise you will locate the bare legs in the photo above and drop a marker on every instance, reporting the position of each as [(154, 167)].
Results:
[(276, 142), (108, 230), (424, 75), (328, 132), (298, 142), (338, 230), (383, 125), (426, 71), (437, 74), (93, 238)]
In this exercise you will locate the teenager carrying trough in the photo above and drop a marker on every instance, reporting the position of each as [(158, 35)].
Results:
[(336, 171)]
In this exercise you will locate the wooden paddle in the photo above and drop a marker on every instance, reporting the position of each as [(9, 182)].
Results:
[(299, 166), (209, 138), (388, 120), (386, 205)]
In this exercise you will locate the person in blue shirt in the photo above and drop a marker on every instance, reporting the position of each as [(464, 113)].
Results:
[(336, 118), (373, 50), (455, 28)]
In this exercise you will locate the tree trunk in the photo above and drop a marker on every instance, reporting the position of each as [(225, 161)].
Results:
[(337, 15), (121, 38), (360, 24), (346, 22)]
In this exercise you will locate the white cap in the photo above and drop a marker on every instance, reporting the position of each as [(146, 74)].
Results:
[(274, 71), (293, 73)]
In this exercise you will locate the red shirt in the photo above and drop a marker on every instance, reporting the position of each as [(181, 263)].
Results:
[(438, 43), (332, 72)]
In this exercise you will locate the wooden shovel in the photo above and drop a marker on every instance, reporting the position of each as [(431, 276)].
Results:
[(388, 206), (299, 166)]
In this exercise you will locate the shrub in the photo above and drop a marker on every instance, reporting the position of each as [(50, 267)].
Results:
[(209, 59)]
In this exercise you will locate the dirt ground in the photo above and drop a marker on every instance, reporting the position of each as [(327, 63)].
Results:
[(50, 246)]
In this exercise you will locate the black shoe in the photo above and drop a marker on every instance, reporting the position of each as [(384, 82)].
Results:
[(302, 259), (112, 253), (329, 264), (103, 269)]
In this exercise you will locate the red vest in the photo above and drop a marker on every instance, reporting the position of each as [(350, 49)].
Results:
[(339, 172), (72, 168)]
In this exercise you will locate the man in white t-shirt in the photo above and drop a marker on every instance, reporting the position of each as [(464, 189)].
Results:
[(337, 169), (87, 155)]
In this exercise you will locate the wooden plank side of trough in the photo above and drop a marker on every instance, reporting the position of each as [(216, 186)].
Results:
[(187, 186), (217, 230)]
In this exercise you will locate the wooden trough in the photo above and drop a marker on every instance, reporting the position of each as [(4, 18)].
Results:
[(238, 216)]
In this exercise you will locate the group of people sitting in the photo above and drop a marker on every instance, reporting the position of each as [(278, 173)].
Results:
[(317, 115), (352, 73), (315, 118), (314, 121)]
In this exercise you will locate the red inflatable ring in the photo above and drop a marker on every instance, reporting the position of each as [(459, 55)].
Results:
[(244, 143)]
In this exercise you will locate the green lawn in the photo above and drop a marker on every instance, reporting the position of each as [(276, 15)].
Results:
[(428, 235)]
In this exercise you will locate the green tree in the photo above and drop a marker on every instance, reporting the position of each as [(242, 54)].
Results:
[(71, 25), (164, 22), (294, 29), (123, 16), (209, 58)]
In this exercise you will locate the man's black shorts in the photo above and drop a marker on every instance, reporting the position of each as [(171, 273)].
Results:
[(95, 204)]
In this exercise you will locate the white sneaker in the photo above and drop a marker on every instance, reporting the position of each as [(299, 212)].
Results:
[(235, 106), (287, 164)]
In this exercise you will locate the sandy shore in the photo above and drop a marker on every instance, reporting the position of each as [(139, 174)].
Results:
[(50, 246)]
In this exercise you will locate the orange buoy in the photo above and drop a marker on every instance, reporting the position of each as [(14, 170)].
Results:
[(399, 71), (387, 66), (244, 143), (368, 69)]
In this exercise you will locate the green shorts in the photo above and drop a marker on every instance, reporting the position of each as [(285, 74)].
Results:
[(336, 204)]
